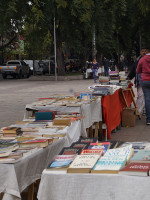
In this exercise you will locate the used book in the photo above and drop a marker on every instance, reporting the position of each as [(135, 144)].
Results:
[(70, 151), (92, 152), (136, 169), (80, 145), (142, 156), (37, 142), (109, 165), (100, 145), (61, 162), (83, 164), (88, 140)]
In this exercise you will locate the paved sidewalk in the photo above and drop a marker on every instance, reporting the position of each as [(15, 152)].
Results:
[(15, 94)]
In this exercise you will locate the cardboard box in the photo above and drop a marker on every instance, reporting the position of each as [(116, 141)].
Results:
[(128, 117)]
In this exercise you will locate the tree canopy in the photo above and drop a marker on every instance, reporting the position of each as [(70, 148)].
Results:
[(121, 27)]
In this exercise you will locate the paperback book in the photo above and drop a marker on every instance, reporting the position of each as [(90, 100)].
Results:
[(83, 164), (61, 162), (136, 169)]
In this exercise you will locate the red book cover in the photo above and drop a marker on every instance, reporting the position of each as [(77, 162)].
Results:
[(136, 169), (92, 151), (35, 141)]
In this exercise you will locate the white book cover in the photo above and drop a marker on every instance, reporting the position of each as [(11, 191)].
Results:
[(84, 161)]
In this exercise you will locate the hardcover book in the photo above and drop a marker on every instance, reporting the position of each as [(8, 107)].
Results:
[(136, 169), (70, 151), (83, 164)]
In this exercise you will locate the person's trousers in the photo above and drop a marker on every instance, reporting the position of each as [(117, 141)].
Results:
[(140, 102), (95, 74), (146, 91), (106, 71)]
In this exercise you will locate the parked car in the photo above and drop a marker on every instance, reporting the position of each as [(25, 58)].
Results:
[(48, 67), (15, 68)]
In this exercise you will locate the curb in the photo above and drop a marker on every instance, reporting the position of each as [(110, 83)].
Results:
[(52, 78)]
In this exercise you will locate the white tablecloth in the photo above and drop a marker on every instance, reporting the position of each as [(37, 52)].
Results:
[(92, 187), (88, 71), (14, 178), (91, 112)]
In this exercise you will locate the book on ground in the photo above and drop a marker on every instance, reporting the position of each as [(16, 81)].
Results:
[(83, 164)]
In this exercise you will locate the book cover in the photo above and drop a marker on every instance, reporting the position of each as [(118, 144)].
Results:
[(109, 165), (61, 162), (136, 145), (80, 145), (136, 169), (141, 156), (88, 140), (100, 145), (70, 151), (83, 164), (92, 152)]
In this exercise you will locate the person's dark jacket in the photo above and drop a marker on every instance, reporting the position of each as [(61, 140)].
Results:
[(133, 73)]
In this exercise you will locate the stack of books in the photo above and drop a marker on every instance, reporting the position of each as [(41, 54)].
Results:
[(123, 79), (103, 80), (114, 77)]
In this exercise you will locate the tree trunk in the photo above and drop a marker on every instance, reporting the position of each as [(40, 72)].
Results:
[(59, 54)]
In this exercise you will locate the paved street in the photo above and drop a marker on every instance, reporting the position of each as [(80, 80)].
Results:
[(15, 94)]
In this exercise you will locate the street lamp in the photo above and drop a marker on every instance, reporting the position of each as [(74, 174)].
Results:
[(30, 4), (55, 50)]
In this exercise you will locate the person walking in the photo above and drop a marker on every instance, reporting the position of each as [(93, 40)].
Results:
[(106, 66), (140, 102), (95, 66), (143, 68)]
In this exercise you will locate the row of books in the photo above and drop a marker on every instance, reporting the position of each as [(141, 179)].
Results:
[(30, 136), (103, 158), (115, 78)]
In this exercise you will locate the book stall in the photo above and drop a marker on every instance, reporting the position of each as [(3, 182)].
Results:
[(98, 170), (89, 109), (53, 135), (27, 147)]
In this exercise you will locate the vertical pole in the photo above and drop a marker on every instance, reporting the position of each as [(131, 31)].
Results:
[(55, 50), (118, 47), (33, 44), (94, 43), (140, 40)]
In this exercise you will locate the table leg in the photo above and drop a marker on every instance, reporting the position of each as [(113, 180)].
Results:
[(31, 192)]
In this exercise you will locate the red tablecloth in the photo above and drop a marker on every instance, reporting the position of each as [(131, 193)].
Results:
[(112, 106)]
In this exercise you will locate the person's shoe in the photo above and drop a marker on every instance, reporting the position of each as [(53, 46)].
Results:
[(147, 123)]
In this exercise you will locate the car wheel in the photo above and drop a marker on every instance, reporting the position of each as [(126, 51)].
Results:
[(4, 76), (20, 75)]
